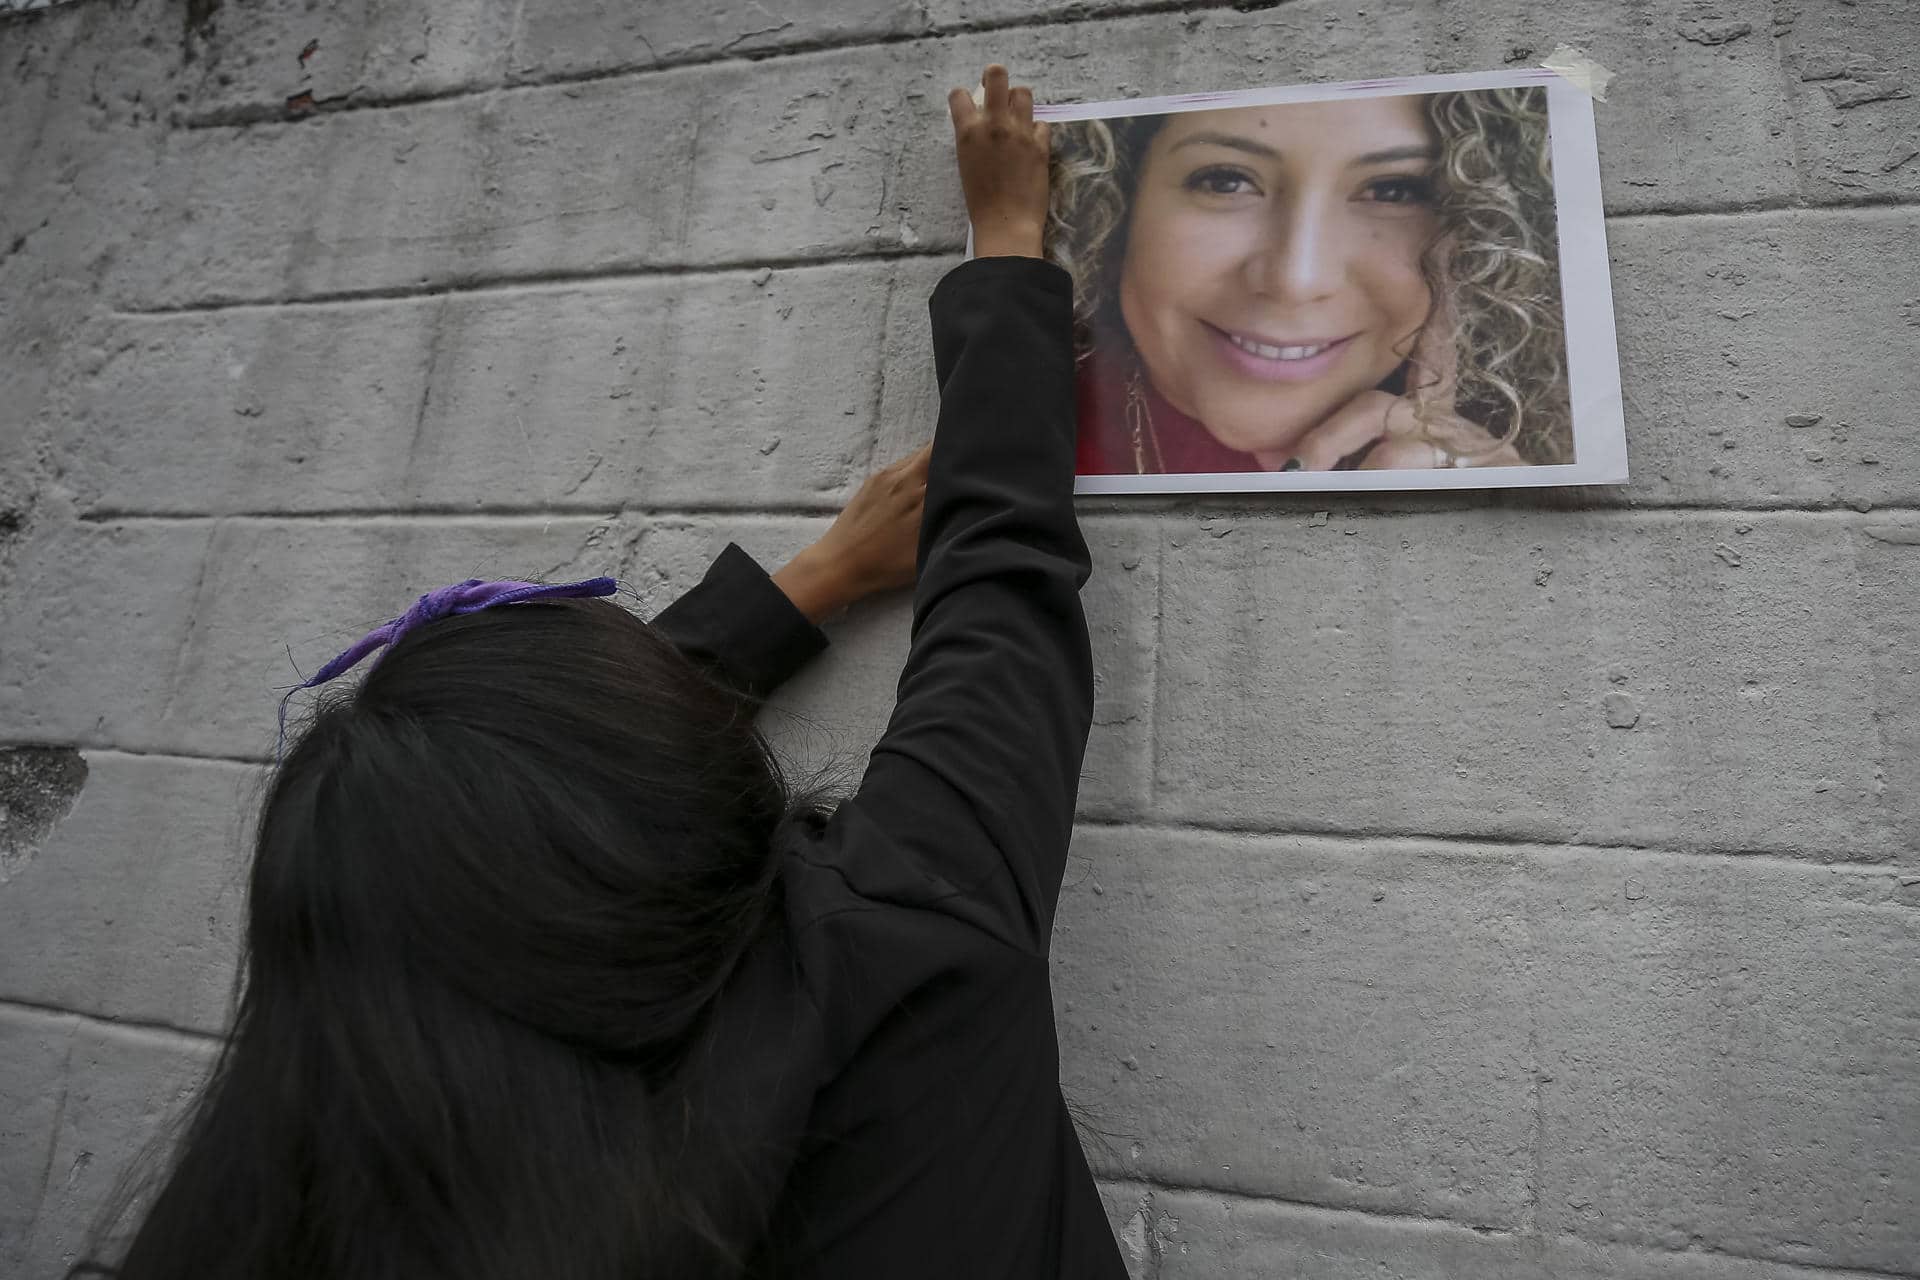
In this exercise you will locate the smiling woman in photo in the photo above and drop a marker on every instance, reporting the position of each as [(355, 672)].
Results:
[(1365, 283)]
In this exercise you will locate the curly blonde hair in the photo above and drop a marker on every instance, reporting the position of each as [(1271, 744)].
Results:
[(1493, 265)]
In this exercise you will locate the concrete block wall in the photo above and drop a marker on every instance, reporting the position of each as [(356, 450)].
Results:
[(1510, 886)]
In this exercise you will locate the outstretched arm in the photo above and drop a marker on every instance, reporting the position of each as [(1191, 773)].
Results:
[(754, 632), (967, 806), (870, 547)]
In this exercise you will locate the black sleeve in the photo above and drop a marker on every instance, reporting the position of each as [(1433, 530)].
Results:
[(740, 627), (967, 805)]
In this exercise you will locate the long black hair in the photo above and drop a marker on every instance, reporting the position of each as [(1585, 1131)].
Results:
[(494, 892)]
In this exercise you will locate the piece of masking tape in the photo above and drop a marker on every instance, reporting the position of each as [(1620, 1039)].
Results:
[(1585, 74), (980, 97)]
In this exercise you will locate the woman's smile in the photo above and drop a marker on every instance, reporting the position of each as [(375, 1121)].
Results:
[(1273, 359)]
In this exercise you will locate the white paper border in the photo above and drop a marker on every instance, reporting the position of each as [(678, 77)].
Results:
[(1593, 359)]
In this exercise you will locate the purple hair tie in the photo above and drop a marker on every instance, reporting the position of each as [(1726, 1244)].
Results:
[(470, 596)]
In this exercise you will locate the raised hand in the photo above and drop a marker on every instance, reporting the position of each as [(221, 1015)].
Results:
[(1003, 165), (869, 548)]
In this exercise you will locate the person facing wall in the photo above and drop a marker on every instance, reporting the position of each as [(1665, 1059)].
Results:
[(549, 972)]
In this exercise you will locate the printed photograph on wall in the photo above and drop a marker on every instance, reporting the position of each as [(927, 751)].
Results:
[(1394, 284)]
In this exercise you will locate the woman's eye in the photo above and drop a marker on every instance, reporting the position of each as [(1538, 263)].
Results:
[(1401, 191), (1220, 182)]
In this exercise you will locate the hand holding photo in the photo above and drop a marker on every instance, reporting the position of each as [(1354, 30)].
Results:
[(1377, 285), (1003, 158)]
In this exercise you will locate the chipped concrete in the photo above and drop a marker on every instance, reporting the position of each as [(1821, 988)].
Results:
[(38, 788)]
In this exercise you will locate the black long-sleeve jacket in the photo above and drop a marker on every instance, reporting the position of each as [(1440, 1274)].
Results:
[(889, 1049)]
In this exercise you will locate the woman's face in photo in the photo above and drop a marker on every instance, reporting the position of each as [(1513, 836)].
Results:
[(1272, 266)]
